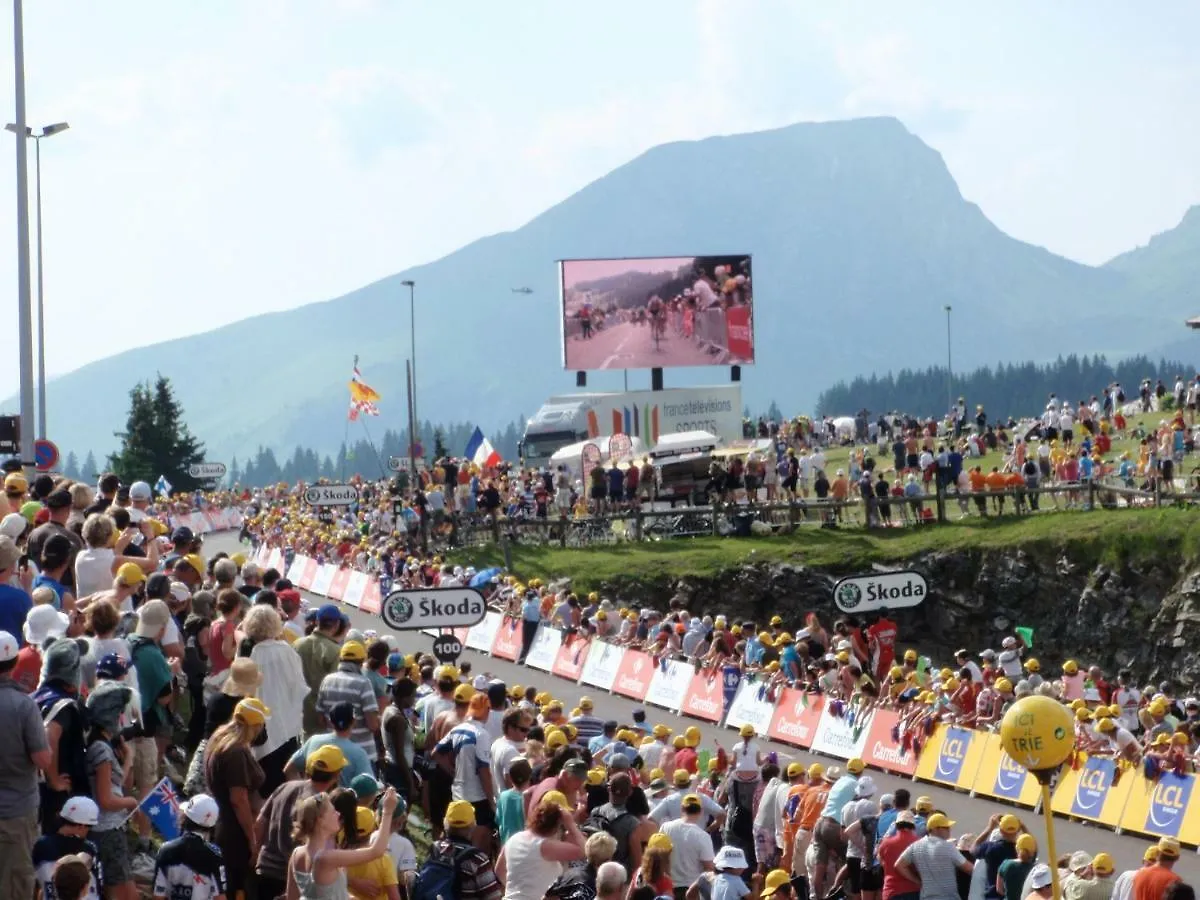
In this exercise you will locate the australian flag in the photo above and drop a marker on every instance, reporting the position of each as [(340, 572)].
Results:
[(161, 806)]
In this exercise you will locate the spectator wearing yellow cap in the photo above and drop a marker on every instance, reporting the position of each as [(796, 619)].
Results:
[(933, 861), (1151, 882), (1095, 882), (348, 684), (234, 778), (827, 836), (587, 722), (323, 768), (1123, 886), (1010, 877), (652, 753), (995, 845), (671, 806)]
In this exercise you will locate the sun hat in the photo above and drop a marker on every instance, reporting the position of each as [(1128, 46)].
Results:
[(106, 702), (153, 616), (1040, 877), (730, 857), (61, 661), (864, 787), (244, 678), (42, 622)]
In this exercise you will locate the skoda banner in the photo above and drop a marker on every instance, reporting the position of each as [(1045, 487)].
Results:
[(433, 608), (879, 590)]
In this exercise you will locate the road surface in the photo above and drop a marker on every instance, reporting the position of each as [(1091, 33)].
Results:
[(970, 814), (624, 345)]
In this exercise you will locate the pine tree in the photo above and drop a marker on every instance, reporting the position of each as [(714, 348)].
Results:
[(89, 472), (71, 466), (235, 473), (156, 441), (439, 444)]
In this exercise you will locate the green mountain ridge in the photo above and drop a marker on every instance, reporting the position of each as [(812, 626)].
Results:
[(860, 237)]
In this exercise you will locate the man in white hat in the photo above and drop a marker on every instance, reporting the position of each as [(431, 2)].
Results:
[(23, 751)]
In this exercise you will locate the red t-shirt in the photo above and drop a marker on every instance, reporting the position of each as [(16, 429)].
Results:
[(889, 851), (883, 633), (28, 670), (686, 758), (1149, 883)]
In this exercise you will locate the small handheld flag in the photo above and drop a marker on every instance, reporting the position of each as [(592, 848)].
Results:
[(163, 486), (161, 807)]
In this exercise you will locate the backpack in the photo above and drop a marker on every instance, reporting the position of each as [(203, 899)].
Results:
[(439, 877), (607, 818)]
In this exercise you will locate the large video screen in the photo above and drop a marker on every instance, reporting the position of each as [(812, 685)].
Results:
[(657, 312)]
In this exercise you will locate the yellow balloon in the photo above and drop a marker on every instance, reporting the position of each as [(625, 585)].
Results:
[(1038, 733)]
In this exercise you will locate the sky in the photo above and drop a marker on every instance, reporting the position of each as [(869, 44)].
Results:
[(229, 158)]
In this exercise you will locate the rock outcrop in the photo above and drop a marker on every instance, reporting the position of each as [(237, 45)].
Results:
[(1141, 617)]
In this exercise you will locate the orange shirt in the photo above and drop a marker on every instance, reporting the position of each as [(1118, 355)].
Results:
[(813, 804), (995, 481), (978, 480), (839, 488), (1014, 480), (791, 809), (1149, 884)]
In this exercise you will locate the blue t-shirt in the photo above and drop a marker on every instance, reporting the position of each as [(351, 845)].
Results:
[(41, 580), (531, 610), (357, 762), (1085, 467), (510, 814), (15, 605), (727, 886), (789, 661)]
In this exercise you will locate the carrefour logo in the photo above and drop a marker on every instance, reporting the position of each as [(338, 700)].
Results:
[(952, 755), (1010, 778), (1094, 782), (1168, 804)]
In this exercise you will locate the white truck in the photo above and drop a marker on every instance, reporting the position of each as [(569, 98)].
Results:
[(569, 418)]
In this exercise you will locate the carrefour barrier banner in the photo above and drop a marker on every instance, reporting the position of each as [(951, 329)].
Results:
[(355, 588), (1000, 777), (507, 644), (337, 586), (797, 715), (1163, 807), (275, 560), (633, 675), (571, 658), (952, 757), (323, 580), (544, 648), (881, 749), (670, 683), (308, 574), (482, 635), (1088, 792), (842, 735), (602, 664), (372, 598), (751, 706), (705, 698)]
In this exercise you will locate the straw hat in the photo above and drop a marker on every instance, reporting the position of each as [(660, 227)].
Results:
[(244, 678)]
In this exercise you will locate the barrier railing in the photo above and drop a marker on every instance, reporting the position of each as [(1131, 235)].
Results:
[(205, 521)]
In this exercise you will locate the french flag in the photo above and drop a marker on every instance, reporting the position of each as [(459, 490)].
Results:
[(481, 452)]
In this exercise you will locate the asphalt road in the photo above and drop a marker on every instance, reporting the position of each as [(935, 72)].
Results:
[(624, 345), (970, 814)]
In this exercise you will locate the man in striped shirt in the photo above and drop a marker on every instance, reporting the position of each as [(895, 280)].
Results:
[(348, 684), (586, 724)]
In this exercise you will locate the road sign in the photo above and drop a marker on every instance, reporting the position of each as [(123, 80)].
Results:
[(45, 454), (417, 450), (206, 470), (447, 648), (433, 608), (879, 590), (398, 463), (331, 495)]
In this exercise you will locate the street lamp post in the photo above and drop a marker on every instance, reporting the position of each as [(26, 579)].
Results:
[(412, 327), (24, 310), (48, 131)]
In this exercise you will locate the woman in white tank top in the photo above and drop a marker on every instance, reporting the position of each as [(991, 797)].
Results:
[(532, 859)]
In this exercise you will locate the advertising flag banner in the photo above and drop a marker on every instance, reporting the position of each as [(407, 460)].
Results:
[(1089, 793)]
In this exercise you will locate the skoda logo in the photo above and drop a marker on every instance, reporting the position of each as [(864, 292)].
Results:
[(400, 610), (849, 595)]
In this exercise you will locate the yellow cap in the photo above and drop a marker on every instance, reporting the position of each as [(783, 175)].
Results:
[(516, 692), (1027, 843), (1077, 703), (661, 731), (855, 766), (773, 666), (1151, 854), (557, 798), (327, 759), (775, 879), (463, 693), (596, 776), (460, 814), (1083, 714), (795, 769), (776, 621), (1009, 824), (196, 561), (659, 841), (785, 638), (587, 703), (692, 735), (679, 742), (816, 770), (682, 777), (1168, 847), (843, 656), (252, 711), (1106, 725), (656, 774), (924, 804), (937, 820), (556, 740), (747, 730), (365, 820), (692, 800), (1103, 864), (130, 574), (736, 629), (910, 656), (1004, 686), (945, 674), (626, 735), (353, 651), (1032, 665), (895, 672), (1070, 667)]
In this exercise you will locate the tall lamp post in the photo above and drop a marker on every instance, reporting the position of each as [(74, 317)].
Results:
[(412, 328), (24, 310), (949, 370), (48, 131)]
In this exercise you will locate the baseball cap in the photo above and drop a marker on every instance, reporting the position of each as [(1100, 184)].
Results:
[(111, 665), (855, 766), (905, 819), (682, 777), (8, 647), (1079, 861), (364, 784), (557, 798), (1009, 824), (1028, 843), (865, 787), (775, 879), (460, 814), (130, 574), (201, 810), (139, 490), (1103, 864), (329, 759), (692, 803), (463, 693), (341, 716), (58, 499), (577, 768), (1168, 847), (182, 535), (1040, 876), (659, 841), (81, 811), (586, 703), (937, 820), (353, 651), (794, 769)]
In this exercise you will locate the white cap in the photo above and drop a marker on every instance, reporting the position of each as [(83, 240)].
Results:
[(179, 591), (13, 525), (139, 490), (202, 810), (42, 622), (1040, 876), (480, 683), (8, 647), (81, 811), (864, 787)]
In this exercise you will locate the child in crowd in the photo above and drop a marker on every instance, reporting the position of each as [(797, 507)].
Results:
[(190, 866), (510, 814)]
